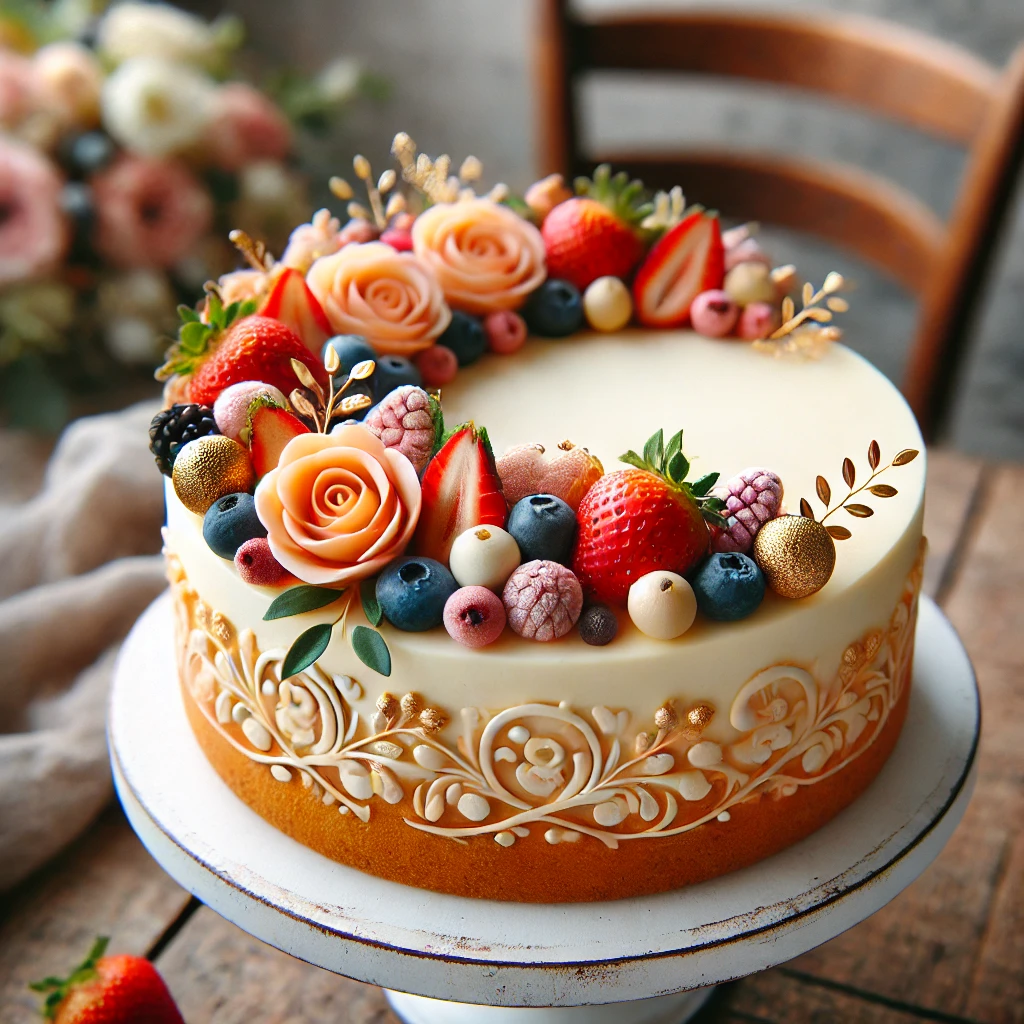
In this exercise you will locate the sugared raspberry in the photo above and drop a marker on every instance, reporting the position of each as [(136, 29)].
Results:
[(257, 565), (543, 600), (751, 499), (403, 420)]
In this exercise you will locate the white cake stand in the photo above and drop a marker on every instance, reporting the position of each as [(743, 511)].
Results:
[(637, 961)]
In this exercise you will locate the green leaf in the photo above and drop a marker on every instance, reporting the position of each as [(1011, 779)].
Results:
[(675, 444), (714, 504), (308, 646), (214, 310), (437, 419), (371, 649), (192, 337), (371, 606), (632, 459), (231, 313), (715, 519), (187, 314), (654, 450), (300, 599), (677, 468), (703, 484)]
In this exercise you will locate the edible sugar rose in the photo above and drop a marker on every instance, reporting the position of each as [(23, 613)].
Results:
[(390, 298), (486, 257), (339, 506)]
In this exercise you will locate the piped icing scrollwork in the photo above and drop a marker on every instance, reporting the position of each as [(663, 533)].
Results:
[(566, 772)]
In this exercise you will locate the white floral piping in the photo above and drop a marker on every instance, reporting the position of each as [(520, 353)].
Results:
[(569, 772)]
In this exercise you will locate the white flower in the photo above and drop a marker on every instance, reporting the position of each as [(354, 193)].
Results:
[(157, 30), (155, 107)]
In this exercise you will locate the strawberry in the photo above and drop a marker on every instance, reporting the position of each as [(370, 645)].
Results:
[(233, 346), (687, 260), (109, 990), (597, 233), (269, 429), (292, 303), (461, 488), (642, 519)]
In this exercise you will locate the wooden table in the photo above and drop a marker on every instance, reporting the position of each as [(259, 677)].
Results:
[(950, 948)]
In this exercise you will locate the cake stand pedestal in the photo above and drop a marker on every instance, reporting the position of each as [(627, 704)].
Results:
[(639, 961)]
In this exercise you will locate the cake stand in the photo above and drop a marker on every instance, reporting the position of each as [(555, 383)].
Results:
[(650, 960)]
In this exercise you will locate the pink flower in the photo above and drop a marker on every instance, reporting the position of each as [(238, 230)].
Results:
[(18, 95), (150, 213), (33, 231), (245, 126)]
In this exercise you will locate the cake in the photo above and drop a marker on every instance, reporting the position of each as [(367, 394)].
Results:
[(503, 663)]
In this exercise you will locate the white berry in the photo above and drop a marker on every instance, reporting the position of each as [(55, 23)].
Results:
[(607, 304), (483, 556), (749, 282), (662, 605)]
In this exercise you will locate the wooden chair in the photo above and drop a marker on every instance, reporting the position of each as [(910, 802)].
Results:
[(937, 88)]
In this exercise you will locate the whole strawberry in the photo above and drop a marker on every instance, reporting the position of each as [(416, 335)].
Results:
[(236, 346), (643, 519), (597, 233), (109, 990), (751, 499)]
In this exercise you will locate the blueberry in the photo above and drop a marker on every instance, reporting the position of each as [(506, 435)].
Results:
[(554, 310), (728, 586), (77, 203), (351, 349), (231, 521), (466, 337), (412, 593), (90, 152), (544, 527), (393, 372), (598, 625)]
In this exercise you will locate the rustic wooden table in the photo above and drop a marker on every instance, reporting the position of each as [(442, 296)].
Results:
[(950, 948)]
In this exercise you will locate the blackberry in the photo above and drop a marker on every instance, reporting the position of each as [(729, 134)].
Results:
[(172, 428)]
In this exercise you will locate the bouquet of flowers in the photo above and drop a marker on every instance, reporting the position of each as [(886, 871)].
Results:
[(128, 146)]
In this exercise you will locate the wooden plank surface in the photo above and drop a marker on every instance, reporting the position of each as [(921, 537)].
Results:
[(950, 948)]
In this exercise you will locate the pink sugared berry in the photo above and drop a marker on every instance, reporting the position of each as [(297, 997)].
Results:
[(713, 313), (506, 332), (438, 365), (397, 239), (231, 409), (257, 565), (757, 320), (543, 600), (474, 616), (751, 499)]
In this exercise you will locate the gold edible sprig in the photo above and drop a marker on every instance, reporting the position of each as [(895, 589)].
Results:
[(433, 178), (254, 251), (856, 509), (380, 209), (333, 402), (808, 330)]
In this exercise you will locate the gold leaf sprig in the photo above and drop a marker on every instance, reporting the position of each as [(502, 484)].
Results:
[(856, 509), (809, 330), (254, 251), (433, 178), (380, 210), (333, 402)]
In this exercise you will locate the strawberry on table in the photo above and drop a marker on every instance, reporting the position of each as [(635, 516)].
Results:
[(109, 990), (461, 488), (232, 347), (597, 233), (643, 519), (687, 260), (292, 303)]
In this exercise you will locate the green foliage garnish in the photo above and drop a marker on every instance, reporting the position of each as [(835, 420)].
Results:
[(300, 599), (669, 462), (306, 648), (371, 649), (196, 337), (371, 606), (57, 989)]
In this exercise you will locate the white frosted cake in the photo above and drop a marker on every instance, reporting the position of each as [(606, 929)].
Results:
[(688, 674)]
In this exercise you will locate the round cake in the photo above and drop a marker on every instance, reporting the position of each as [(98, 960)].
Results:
[(503, 663)]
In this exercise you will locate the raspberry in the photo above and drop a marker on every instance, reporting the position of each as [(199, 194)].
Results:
[(543, 600), (257, 565), (404, 420), (751, 499)]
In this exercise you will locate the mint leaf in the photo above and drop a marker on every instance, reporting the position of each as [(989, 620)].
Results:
[(371, 606), (371, 649), (308, 646), (300, 599)]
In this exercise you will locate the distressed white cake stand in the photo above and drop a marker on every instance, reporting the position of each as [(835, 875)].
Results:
[(453, 959)]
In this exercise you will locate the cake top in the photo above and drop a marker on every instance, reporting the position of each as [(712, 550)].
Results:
[(305, 424)]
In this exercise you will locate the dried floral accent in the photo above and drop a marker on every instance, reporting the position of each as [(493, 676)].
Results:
[(433, 178), (382, 205), (849, 472), (669, 209), (254, 251), (333, 402), (807, 331)]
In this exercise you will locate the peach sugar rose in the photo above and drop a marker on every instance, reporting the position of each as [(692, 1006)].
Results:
[(487, 258), (390, 298), (339, 506)]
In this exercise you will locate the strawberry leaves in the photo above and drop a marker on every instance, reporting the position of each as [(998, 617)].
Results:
[(57, 989), (196, 335), (668, 462)]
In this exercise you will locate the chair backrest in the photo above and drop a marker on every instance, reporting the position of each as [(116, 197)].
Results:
[(934, 87)]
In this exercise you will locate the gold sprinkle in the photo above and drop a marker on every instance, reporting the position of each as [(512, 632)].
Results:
[(700, 715), (433, 720), (221, 628), (411, 703), (361, 166), (665, 717), (387, 704), (565, 446), (340, 188), (386, 182)]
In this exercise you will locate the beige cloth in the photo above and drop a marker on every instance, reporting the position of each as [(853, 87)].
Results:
[(78, 564)]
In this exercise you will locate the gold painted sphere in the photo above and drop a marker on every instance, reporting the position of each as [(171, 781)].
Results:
[(208, 468), (795, 554)]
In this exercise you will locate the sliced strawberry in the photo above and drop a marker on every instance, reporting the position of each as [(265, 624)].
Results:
[(687, 260), (270, 429), (293, 304), (461, 488)]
